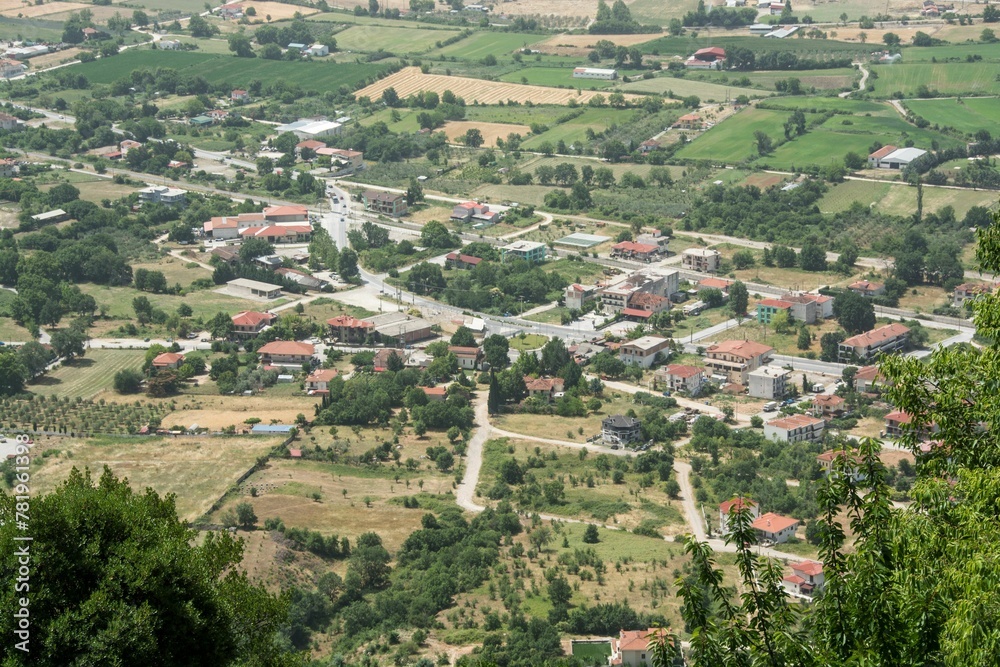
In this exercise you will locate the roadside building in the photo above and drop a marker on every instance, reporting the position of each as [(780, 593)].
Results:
[(9, 168), (704, 260), (809, 308), (318, 382), (734, 504), (867, 346), (721, 284), (348, 329), (474, 211), (768, 308), (865, 379), (795, 428), (311, 129), (643, 351), (679, 377), (398, 329), (891, 157), (282, 233), (867, 288), (286, 353), (968, 291), (737, 358), (712, 57), (770, 382), (8, 122), (576, 296), (689, 121), (160, 194), (806, 578), (828, 405), (12, 68), (641, 252), (643, 305), (457, 260), (621, 430), (166, 360), (301, 278), (631, 649), (615, 298), (530, 251), (545, 388), (469, 358), (249, 323), (254, 288), (828, 460), (774, 528), (238, 96), (387, 203)]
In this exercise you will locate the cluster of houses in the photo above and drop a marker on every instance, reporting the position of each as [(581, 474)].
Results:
[(275, 224)]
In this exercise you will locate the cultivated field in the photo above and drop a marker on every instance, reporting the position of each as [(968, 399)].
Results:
[(482, 44), (15, 8), (967, 115), (198, 470), (88, 376), (555, 76), (899, 199), (411, 80), (977, 78), (277, 11), (732, 140), (397, 40), (490, 131), (827, 79), (683, 87), (581, 45)]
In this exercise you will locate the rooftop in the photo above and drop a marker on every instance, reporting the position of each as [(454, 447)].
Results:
[(682, 371), (808, 567), (290, 347), (646, 342), (795, 421), (250, 318), (876, 336), (747, 349), (773, 523), (736, 503)]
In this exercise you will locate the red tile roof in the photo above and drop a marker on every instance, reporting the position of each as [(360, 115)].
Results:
[(716, 283), (868, 373), (736, 503), (881, 153), (288, 347), (291, 209), (795, 421), (349, 322), (276, 230), (459, 351), (775, 303), (773, 523), (167, 359), (637, 640), (646, 299), (876, 336), (250, 318), (295, 453), (828, 400), (711, 51), (636, 312), (632, 246), (808, 567), (682, 371), (467, 259), (746, 349), (899, 416), (322, 375), (435, 391), (543, 384), (865, 286), (793, 579)]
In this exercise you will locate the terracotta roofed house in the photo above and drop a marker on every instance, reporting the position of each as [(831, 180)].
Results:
[(469, 358), (319, 380), (249, 323), (806, 578), (632, 647), (679, 377), (867, 288), (775, 528), (736, 358), (827, 405), (547, 388), (795, 428), (870, 344), (897, 423), (286, 353), (168, 360), (727, 507), (768, 308), (689, 121), (350, 329), (435, 393)]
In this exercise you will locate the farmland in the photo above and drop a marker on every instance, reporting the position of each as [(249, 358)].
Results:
[(482, 44), (683, 87), (732, 141), (827, 79), (490, 131), (397, 40), (221, 68), (898, 199), (411, 80), (88, 375), (806, 48), (968, 115), (977, 78), (556, 77), (576, 128)]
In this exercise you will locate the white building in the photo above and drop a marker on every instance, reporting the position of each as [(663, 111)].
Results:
[(806, 578), (774, 528), (891, 157), (727, 507), (530, 251), (578, 295), (794, 428), (169, 44), (679, 377), (595, 73), (161, 194), (311, 129), (318, 50), (705, 260), (643, 350), (768, 382)]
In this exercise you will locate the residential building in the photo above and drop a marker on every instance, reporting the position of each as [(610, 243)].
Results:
[(227, 255), (231, 10), (318, 382), (736, 358), (643, 305), (828, 405), (348, 329), (383, 358), (809, 307), (398, 329), (302, 278), (127, 145), (631, 647), (768, 308), (770, 382), (11, 68), (254, 288), (435, 393), (712, 57), (286, 353), (891, 157), (735, 504), (387, 203), (160, 194), (457, 260), (795, 428), (689, 121), (546, 388), (239, 96), (678, 377), (774, 528), (595, 73), (615, 298), (870, 344), (270, 262), (704, 260), (282, 233), (309, 144), (470, 211), (576, 296), (867, 288), (286, 213), (168, 44), (776, 8), (9, 168), (621, 430), (343, 160), (168, 360), (469, 358), (865, 379), (8, 122), (643, 351), (806, 578), (721, 284), (967, 291), (249, 323), (530, 251), (642, 252), (827, 460), (897, 423), (648, 146)]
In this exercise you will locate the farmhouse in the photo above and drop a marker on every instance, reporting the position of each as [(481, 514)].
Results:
[(231, 10), (891, 157), (160, 194), (8, 122), (866, 288), (643, 351), (435, 393), (249, 323), (632, 647), (967, 291), (286, 353), (689, 121), (712, 57), (678, 377), (705, 260), (648, 146), (530, 251), (736, 358), (621, 430), (768, 308), (471, 210), (868, 345), (545, 388), (734, 504), (457, 260), (255, 288), (318, 382), (127, 145), (595, 73), (774, 528), (11, 68), (768, 382), (168, 360), (238, 96), (318, 50), (169, 44), (577, 295), (386, 203), (806, 578), (794, 428)]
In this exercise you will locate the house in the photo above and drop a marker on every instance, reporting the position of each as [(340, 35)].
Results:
[(456, 260), (160, 194), (546, 388), (529, 251), (576, 295), (286, 213), (776, 8), (227, 255), (721, 284), (8, 122), (318, 50), (238, 96), (704, 260), (249, 323), (217, 115), (865, 379), (398, 329), (297, 46), (254, 288), (127, 145), (712, 57), (348, 329), (177, 164), (897, 424), (168, 360), (383, 358), (283, 233), (169, 44), (736, 358), (386, 203), (470, 210), (770, 382), (309, 144), (643, 351), (866, 288), (632, 647), (795, 428), (890, 157), (93, 34), (967, 291), (343, 160), (643, 305), (868, 345), (621, 430), (302, 278), (318, 382), (270, 262), (828, 405), (615, 298), (648, 146), (689, 121), (760, 29), (642, 252), (678, 377), (11, 68), (286, 353), (734, 504), (595, 73), (9, 168), (809, 307), (231, 10), (435, 393), (774, 528), (469, 358), (768, 308), (828, 459), (806, 578)]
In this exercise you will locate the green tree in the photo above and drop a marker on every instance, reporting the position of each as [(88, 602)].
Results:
[(69, 343), (590, 534), (240, 44), (251, 249), (473, 138), (804, 340), (347, 264), (200, 27), (12, 376), (128, 381), (221, 326), (812, 258), (414, 192), (369, 562), (495, 349), (540, 537), (463, 337), (739, 298), (245, 516), (854, 312)]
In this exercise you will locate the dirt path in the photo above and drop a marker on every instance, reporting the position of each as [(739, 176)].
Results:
[(861, 84), (474, 459)]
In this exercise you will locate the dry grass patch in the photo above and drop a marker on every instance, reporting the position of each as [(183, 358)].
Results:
[(581, 45), (490, 131), (278, 11), (15, 8)]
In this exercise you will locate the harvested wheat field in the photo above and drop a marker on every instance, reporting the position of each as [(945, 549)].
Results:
[(14, 8), (581, 45), (278, 11), (411, 80), (490, 131)]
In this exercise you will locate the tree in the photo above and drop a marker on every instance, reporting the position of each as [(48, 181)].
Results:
[(128, 583), (495, 349), (854, 312), (463, 337), (414, 192), (200, 27), (35, 358), (590, 534), (560, 593), (762, 142), (347, 264), (555, 356), (69, 342), (991, 14), (221, 326), (435, 235), (140, 18), (426, 278), (812, 258), (240, 44), (369, 562), (245, 516), (473, 138), (128, 381), (739, 298), (540, 537), (251, 249), (12, 376), (891, 39), (804, 340), (830, 345)]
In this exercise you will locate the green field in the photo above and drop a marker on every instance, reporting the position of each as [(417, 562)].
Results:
[(899, 199), (204, 303), (928, 54), (684, 87), (977, 78), (575, 130), (482, 44), (557, 77), (818, 49), (820, 104), (732, 140), (87, 376), (889, 130), (238, 72), (968, 115), (368, 38), (818, 147), (821, 79)]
